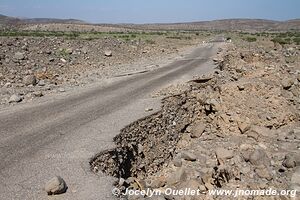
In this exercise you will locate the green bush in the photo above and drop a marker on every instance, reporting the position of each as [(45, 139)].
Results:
[(250, 39)]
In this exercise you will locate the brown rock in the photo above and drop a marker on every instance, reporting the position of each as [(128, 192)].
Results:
[(259, 157), (289, 161), (177, 162), (188, 156), (29, 80), (253, 134), (287, 83), (264, 172), (244, 126), (176, 177), (197, 130), (223, 154)]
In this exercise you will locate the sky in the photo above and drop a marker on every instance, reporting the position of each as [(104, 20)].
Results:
[(151, 11)]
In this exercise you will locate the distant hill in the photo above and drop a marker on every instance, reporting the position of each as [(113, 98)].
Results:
[(50, 20), (6, 20), (225, 24), (229, 24)]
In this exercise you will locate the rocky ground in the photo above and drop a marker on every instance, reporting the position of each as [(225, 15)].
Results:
[(31, 67), (235, 129)]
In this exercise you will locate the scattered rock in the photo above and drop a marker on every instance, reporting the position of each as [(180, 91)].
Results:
[(289, 161), (63, 60), (197, 130), (38, 94), (223, 154), (264, 172), (56, 185), (41, 83), (19, 56), (259, 157), (15, 98), (188, 156), (253, 134), (61, 89), (108, 53), (244, 97), (244, 126), (29, 80), (177, 162), (241, 87), (178, 176), (287, 83)]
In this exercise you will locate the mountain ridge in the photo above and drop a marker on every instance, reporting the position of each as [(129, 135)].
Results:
[(243, 24)]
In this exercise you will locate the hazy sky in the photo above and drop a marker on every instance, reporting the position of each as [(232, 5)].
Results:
[(146, 11)]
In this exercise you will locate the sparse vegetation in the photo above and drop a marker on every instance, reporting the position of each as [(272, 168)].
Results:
[(286, 38), (250, 39)]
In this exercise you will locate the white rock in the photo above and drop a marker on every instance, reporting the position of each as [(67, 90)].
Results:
[(108, 53), (15, 98), (56, 185)]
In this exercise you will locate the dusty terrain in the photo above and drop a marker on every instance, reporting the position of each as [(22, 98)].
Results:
[(31, 67), (59, 133), (237, 128)]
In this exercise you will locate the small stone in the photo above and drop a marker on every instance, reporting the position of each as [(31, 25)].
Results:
[(289, 161), (140, 148), (63, 60), (197, 130), (69, 51), (264, 172), (108, 53), (244, 126), (188, 156), (84, 50), (253, 134), (121, 181), (41, 83), (287, 83), (259, 157), (56, 185), (38, 94), (223, 154), (15, 98), (19, 56), (148, 109), (176, 177), (241, 87), (177, 162), (29, 80), (61, 90)]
